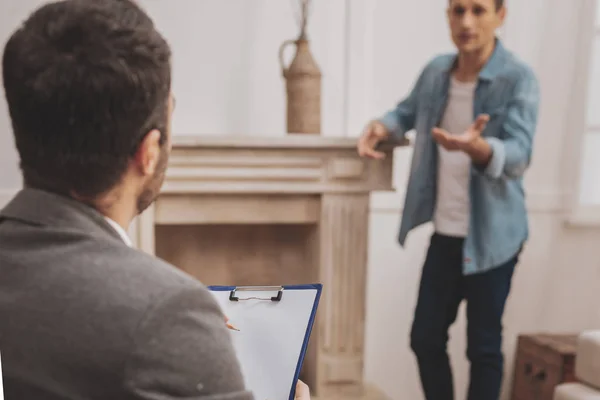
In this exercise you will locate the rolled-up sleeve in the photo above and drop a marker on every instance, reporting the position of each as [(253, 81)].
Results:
[(511, 151)]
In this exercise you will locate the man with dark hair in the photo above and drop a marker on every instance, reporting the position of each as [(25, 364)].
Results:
[(475, 114), (82, 314)]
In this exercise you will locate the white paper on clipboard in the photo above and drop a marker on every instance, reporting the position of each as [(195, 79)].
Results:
[(273, 335)]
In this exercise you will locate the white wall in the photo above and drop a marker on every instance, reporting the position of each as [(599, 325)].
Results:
[(227, 77), (11, 13), (228, 81)]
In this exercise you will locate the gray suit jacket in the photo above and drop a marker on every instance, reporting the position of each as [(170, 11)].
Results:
[(85, 317)]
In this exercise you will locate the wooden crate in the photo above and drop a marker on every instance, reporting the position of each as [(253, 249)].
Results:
[(542, 362)]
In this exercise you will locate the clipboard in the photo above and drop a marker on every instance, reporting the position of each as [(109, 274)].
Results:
[(275, 324)]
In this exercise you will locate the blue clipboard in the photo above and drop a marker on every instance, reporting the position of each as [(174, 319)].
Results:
[(269, 303)]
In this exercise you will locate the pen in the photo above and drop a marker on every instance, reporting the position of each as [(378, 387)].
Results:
[(229, 326)]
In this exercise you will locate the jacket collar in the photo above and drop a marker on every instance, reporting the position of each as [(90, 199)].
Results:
[(493, 67), (42, 208)]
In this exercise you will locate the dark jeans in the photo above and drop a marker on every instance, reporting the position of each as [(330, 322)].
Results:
[(443, 286)]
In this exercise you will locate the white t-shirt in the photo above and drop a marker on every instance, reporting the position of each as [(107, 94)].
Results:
[(454, 167)]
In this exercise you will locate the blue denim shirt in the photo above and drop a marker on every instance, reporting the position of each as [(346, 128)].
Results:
[(507, 90)]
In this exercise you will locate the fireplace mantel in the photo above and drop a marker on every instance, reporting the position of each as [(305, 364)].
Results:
[(287, 164), (256, 190)]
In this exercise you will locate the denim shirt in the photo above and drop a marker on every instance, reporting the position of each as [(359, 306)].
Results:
[(507, 90)]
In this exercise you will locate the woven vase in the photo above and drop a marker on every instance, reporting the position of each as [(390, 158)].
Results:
[(303, 87)]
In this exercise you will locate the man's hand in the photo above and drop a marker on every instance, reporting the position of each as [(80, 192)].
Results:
[(229, 326), (469, 142), (465, 141), (302, 391), (373, 133)]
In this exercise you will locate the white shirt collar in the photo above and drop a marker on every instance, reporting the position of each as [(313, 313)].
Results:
[(120, 231)]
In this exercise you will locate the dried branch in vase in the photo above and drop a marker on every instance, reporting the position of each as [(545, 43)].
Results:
[(302, 11)]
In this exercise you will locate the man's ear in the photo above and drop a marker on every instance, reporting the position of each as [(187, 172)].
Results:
[(502, 14), (148, 153)]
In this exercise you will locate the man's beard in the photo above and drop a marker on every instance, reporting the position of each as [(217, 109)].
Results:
[(152, 189)]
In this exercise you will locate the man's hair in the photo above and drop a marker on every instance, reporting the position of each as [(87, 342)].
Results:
[(499, 4), (85, 81)]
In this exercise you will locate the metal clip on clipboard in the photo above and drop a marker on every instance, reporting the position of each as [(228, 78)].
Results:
[(279, 289)]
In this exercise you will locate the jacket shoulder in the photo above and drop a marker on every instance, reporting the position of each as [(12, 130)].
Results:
[(441, 62), (150, 276)]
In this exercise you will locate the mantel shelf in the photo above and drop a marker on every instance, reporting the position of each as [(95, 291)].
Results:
[(301, 164)]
